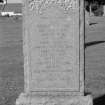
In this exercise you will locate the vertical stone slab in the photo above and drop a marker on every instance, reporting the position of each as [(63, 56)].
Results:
[(53, 41), (104, 10), (53, 53)]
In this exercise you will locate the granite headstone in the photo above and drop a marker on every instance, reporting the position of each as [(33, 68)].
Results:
[(53, 35)]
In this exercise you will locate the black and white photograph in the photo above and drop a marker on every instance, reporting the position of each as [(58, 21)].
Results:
[(52, 52)]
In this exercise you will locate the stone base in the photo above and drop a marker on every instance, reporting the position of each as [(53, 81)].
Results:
[(51, 100)]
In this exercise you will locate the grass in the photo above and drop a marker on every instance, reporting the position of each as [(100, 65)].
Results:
[(95, 57), (11, 60)]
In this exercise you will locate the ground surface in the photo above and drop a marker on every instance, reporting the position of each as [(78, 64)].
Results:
[(95, 56), (11, 62), (11, 58)]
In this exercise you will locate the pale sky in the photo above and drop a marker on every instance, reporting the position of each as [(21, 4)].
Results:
[(14, 1)]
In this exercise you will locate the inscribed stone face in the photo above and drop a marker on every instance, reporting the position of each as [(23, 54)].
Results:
[(53, 41)]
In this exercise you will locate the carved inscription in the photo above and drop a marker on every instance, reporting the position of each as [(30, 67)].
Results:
[(53, 50), (40, 4)]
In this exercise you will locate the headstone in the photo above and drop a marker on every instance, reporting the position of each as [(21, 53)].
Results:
[(53, 53), (104, 10)]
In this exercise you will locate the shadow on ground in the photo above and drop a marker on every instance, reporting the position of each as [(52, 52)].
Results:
[(93, 43), (99, 100), (92, 24)]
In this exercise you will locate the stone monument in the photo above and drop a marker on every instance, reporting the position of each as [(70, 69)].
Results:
[(104, 10), (53, 40)]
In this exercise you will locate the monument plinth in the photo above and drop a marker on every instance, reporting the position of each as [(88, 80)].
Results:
[(53, 53)]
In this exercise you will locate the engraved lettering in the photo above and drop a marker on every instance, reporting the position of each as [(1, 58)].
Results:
[(38, 4)]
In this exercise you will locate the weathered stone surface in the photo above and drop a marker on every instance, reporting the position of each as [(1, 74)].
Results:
[(104, 10), (53, 45), (51, 100), (54, 53)]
